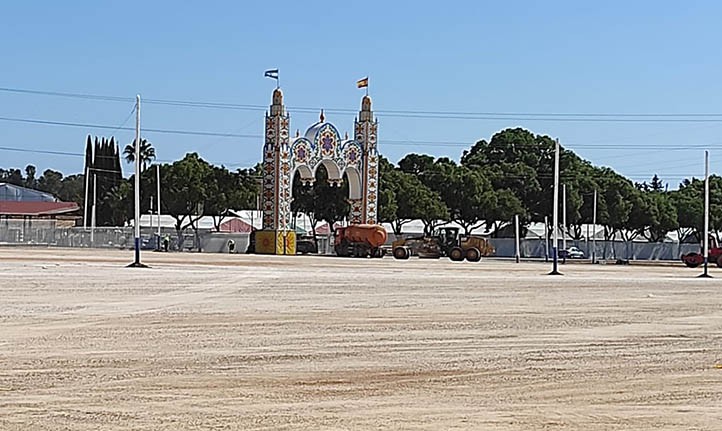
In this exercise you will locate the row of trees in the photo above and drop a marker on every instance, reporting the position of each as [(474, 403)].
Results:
[(511, 174)]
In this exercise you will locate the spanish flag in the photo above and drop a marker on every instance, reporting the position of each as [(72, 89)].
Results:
[(362, 83)]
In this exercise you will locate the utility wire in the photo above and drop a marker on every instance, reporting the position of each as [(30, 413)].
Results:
[(451, 115), (101, 126), (381, 142), (467, 144)]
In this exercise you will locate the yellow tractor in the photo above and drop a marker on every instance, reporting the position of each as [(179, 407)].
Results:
[(445, 241)]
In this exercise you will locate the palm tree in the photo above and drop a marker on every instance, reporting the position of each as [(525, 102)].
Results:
[(147, 153)]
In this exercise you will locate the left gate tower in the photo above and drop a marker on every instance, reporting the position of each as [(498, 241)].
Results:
[(276, 237)]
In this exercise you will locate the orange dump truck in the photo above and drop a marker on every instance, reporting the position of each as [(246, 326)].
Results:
[(360, 240)]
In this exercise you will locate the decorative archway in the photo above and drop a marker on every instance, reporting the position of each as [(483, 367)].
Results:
[(320, 145)]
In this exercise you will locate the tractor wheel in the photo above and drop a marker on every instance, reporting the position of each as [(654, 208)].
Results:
[(401, 253), (456, 254), (692, 260), (473, 254)]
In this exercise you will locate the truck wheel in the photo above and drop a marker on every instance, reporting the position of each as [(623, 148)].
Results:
[(456, 254), (719, 262), (342, 249), (401, 253), (692, 260), (473, 254)]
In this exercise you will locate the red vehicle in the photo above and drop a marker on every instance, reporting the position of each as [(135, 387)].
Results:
[(360, 240), (694, 259)]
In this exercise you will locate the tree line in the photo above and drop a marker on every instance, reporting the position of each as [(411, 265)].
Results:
[(511, 174)]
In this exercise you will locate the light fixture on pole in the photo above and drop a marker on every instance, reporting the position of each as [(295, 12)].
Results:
[(136, 263), (85, 207), (555, 244), (516, 234), (594, 229), (93, 213), (705, 240), (157, 178), (546, 239), (564, 216)]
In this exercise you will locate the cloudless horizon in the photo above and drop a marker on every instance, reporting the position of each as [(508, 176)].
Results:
[(518, 57)]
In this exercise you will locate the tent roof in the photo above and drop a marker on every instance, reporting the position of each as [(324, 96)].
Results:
[(12, 192), (36, 209)]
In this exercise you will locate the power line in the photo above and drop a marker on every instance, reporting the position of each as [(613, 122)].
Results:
[(663, 117), (106, 127), (392, 142), (54, 153)]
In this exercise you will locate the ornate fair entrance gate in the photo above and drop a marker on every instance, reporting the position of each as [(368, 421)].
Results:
[(320, 145)]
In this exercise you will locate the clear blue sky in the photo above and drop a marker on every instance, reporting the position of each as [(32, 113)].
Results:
[(465, 56)]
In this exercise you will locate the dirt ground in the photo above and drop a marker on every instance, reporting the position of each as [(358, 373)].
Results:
[(226, 342)]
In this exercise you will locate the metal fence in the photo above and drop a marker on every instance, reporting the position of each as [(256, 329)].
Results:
[(49, 233), (631, 250)]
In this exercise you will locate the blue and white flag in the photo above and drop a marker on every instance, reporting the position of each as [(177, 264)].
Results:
[(271, 73)]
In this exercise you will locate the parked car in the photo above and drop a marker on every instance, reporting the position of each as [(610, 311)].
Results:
[(306, 244), (571, 253)]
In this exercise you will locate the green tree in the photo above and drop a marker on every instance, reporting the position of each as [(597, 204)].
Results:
[(185, 191), (330, 200), (51, 182), (30, 180), (228, 191), (387, 207), (12, 176), (468, 195), (505, 205), (147, 153)]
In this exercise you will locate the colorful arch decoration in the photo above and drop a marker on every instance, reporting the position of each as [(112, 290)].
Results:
[(322, 144)]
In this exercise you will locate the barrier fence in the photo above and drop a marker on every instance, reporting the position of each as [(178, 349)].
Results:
[(48, 233)]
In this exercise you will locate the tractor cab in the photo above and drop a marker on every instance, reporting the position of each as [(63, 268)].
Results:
[(448, 238)]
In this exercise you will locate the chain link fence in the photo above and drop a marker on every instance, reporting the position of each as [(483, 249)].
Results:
[(52, 233)]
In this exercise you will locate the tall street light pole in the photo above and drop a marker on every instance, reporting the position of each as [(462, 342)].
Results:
[(136, 263), (705, 240), (555, 221), (594, 229)]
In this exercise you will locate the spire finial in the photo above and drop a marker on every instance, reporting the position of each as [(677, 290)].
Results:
[(322, 118)]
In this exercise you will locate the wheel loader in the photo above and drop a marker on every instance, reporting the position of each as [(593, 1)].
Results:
[(445, 241)]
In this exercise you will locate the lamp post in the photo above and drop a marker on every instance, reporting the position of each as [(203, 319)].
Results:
[(136, 263), (555, 244), (705, 241), (594, 229)]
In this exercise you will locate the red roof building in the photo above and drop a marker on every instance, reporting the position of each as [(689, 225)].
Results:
[(36, 209), (16, 201)]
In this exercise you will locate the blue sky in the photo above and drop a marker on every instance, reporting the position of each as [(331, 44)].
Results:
[(548, 57)]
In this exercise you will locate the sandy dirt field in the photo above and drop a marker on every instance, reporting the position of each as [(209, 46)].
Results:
[(221, 342)]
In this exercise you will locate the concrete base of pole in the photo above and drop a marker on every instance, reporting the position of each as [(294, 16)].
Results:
[(555, 261), (705, 274), (137, 263)]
